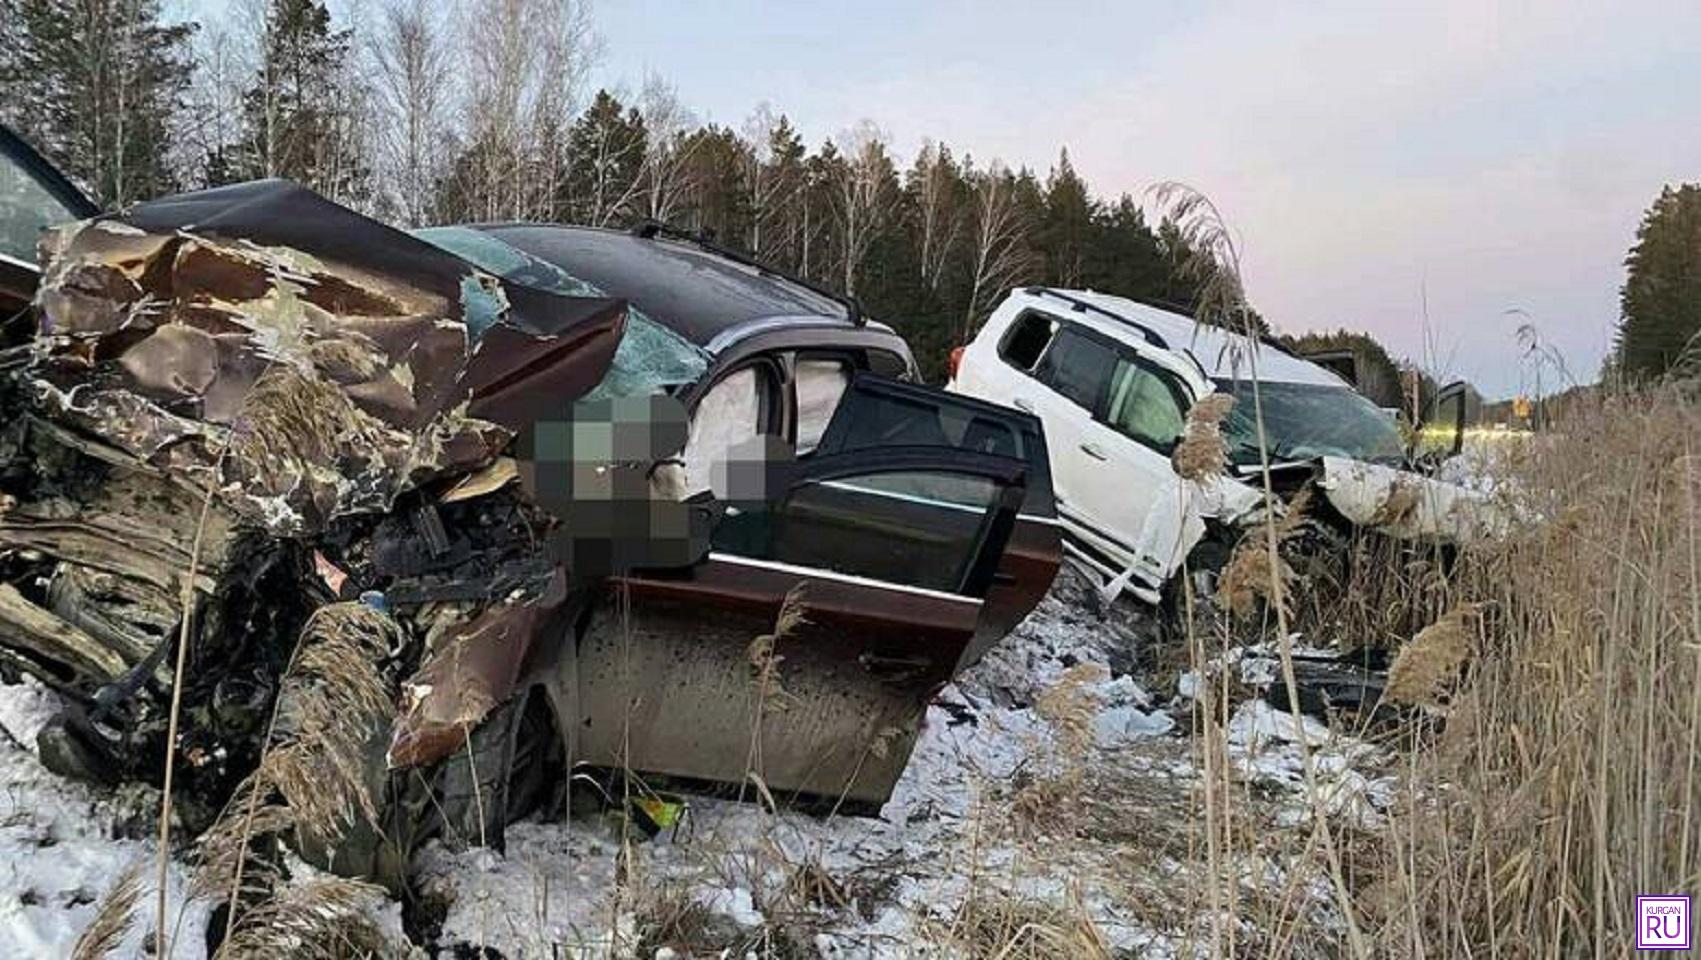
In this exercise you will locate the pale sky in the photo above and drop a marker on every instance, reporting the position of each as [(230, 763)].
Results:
[(1481, 156), (1488, 155)]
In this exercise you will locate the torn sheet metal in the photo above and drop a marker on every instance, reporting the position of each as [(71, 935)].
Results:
[(651, 357), (1172, 534), (472, 669), (1407, 505), (306, 362)]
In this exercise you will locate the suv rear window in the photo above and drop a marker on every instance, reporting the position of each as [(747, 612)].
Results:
[(1026, 339)]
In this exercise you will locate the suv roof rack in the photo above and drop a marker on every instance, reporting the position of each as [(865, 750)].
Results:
[(705, 240), (1083, 306)]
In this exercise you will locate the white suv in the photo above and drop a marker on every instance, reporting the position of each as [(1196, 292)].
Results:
[(1113, 381)]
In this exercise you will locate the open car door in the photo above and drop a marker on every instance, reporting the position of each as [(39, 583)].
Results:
[(1442, 433), (33, 196), (914, 531)]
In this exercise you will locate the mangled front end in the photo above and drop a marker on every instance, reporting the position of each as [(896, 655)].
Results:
[(1406, 505), (240, 405)]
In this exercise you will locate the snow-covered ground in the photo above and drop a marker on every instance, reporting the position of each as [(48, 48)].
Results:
[(1012, 811), (63, 843)]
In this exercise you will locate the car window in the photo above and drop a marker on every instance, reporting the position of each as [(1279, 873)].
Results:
[(1026, 340), (1145, 406), (888, 364), (728, 416), (1077, 367), (882, 414), (818, 384), (25, 208), (919, 528), (880, 421), (1306, 420)]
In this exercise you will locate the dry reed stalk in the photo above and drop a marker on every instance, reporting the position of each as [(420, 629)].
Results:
[(1215, 263), (1069, 705), (1565, 779), (769, 693), (1254, 575), (1432, 660), (322, 919), (1202, 454), (185, 620), (1003, 927), (113, 918), (311, 776)]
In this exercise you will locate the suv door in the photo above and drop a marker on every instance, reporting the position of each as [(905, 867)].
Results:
[(1442, 433), (895, 534), (1113, 419), (1137, 425), (33, 196)]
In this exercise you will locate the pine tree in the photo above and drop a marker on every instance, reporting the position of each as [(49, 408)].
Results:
[(778, 196), (1379, 375), (719, 204), (1123, 255), (98, 86), (1660, 302), (607, 149), (295, 115), (1066, 228), (937, 200)]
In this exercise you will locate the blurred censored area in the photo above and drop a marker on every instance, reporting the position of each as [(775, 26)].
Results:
[(612, 470)]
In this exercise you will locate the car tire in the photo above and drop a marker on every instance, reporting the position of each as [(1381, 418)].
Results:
[(508, 768)]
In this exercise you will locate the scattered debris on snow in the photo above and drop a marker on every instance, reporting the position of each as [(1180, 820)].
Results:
[(742, 880)]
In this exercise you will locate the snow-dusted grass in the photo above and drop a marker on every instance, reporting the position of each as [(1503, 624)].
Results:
[(996, 832), (1051, 809)]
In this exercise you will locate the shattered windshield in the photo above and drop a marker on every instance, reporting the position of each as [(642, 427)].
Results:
[(1307, 420), (650, 358)]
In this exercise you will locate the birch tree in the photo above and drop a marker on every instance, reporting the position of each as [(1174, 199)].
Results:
[(937, 201), (210, 130), (607, 145), (863, 189), (999, 251), (568, 48), (412, 90), (486, 181), (666, 173), (776, 185)]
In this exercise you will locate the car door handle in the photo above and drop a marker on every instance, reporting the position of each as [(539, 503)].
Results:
[(1022, 403), (1093, 450)]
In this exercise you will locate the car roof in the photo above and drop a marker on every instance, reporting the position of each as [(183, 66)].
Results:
[(1210, 345), (704, 297)]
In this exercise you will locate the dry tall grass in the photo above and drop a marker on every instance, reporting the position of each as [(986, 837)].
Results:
[(1564, 782), (310, 779), (113, 918)]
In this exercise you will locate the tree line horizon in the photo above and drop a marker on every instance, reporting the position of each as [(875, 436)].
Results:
[(417, 117)]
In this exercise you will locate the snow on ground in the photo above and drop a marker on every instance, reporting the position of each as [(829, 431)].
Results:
[(63, 844), (896, 885), (993, 809)]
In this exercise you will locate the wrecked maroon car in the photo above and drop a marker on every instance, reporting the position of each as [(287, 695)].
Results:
[(633, 504)]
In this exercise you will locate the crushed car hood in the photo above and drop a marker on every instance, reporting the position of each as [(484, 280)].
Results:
[(1405, 504), (304, 361)]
